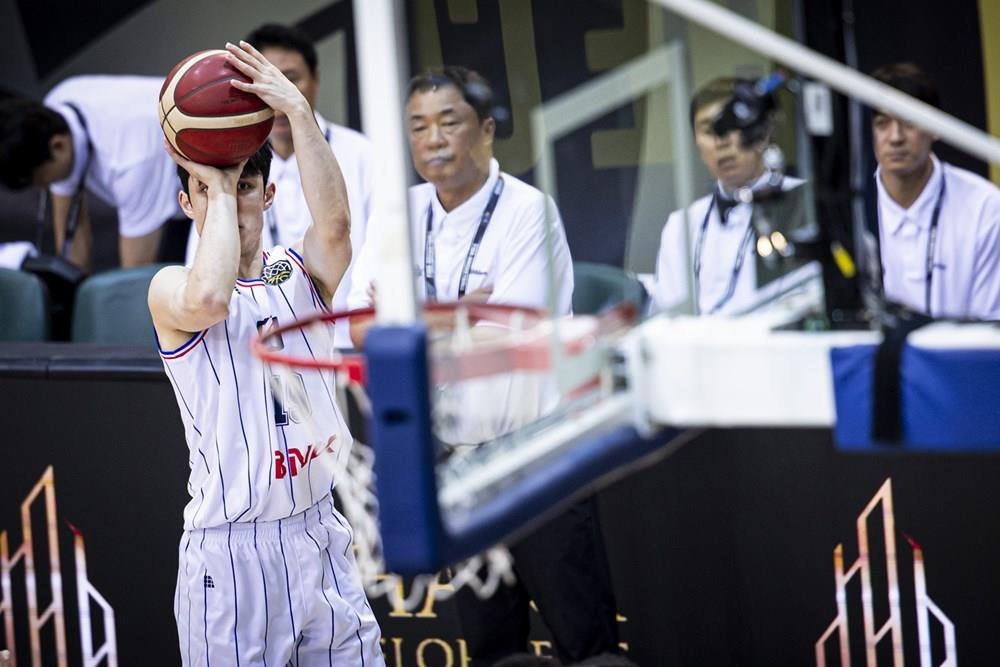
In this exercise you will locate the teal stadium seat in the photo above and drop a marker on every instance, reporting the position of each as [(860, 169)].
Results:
[(24, 301), (598, 286), (111, 308)]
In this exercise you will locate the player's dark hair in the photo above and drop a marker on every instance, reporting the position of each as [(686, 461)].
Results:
[(26, 126), (910, 79), (278, 36), (259, 163), (475, 89)]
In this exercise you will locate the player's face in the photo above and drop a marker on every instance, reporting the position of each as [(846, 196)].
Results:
[(252, 199), (725, 157), (901, 148), (292, 65), (451, 148)]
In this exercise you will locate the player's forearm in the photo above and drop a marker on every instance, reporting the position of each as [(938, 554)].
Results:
[(216, 262), (322, 181)]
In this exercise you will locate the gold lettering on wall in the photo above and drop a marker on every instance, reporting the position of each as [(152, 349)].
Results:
[(445, 652), (397, 649), (427, 39), (463, 11), (463, 653), (605, 50), (989, 24), (431, 597), (518, 32), (423, 644), (541, 647), (398, 597)]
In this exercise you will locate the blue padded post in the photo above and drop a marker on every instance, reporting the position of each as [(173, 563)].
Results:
[(404, 454), (950, 400)]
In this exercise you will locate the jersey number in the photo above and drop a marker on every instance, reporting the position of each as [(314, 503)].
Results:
[(290, 399)]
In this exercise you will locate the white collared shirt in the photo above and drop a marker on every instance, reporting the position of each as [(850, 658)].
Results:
[(966, 275), (512, 259), (129, 169), (719, 251)]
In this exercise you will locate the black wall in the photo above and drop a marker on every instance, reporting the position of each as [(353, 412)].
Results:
[(722, 554)]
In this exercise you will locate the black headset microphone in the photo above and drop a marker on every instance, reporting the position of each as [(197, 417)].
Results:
[(749, 109)]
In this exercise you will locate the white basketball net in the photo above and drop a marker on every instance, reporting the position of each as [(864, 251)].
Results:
[(354, 480), (495, 390)]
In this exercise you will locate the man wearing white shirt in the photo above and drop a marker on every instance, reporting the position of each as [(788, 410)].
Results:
[(292, 52), (939, 226), (99, 134), (481, 234), (718, 247)]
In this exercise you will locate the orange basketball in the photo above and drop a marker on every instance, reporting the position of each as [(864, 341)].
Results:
[(208, 120)]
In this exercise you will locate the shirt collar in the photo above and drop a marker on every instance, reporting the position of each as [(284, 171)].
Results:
[(726, 201), (760, 182), (471, 207), (895, 216), (81, 147)]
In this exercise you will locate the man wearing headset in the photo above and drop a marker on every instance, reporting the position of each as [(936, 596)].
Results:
[(938, 225), (720, 242)]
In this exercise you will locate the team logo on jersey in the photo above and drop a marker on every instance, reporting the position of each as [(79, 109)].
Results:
[(277, 273)]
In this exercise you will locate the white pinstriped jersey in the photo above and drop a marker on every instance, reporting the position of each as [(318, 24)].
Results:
[(253, 457)]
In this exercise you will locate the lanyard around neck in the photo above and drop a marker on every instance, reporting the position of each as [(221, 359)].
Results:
[(699, 247), (932, 233), (76, 204), (932, 245), (429, 257)]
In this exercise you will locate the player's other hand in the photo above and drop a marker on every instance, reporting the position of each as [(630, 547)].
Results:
[(222, 178), (269, 84)]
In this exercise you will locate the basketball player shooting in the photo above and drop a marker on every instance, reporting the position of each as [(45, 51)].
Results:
[(266, 571)]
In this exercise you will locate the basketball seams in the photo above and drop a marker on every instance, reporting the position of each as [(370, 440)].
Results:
[(219, 122), (220, 81), (170, 84), (214, 82), (169, 88), (204, 137)]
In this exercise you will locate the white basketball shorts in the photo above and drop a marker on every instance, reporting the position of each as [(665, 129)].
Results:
[(283, 592)]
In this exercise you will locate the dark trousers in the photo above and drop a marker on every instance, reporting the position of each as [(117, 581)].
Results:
[(562, 566)]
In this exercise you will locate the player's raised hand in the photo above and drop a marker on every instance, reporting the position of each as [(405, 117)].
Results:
[(269, 84), (224, 178)]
